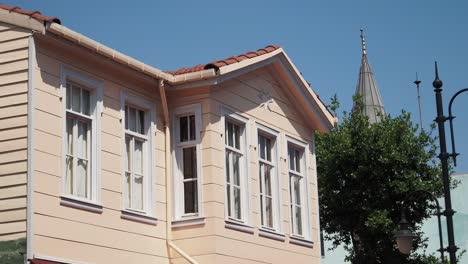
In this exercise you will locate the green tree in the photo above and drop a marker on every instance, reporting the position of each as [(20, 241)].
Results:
[(365, 172)]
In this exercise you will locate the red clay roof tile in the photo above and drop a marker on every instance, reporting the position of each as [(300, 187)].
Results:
[(31, 13), (224, 62)]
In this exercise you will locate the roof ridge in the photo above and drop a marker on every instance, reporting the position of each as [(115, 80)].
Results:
[(216, 64)]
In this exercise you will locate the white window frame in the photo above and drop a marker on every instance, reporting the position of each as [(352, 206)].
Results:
[(228, 115), (177, 146), (276, 188), (95, 87), (305, 193), (149, 197)]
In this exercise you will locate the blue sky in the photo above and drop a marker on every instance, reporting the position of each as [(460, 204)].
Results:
[(321, 37)]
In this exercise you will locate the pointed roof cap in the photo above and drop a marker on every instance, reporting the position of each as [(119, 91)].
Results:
[(367, 88)]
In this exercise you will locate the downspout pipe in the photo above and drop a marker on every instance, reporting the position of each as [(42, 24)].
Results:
[(167, 133), (30, 129)]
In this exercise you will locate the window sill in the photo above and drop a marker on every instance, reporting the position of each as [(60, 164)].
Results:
[(139, 217), (238, 226), (271, 234), (193, 221), (79, 203), (301, 242)]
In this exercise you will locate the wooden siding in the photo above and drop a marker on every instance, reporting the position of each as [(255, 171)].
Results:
[(13, 130), (105, 237), (213, 242)]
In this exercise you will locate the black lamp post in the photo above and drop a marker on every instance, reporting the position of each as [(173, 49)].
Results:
[(443, 156), (404, 236)]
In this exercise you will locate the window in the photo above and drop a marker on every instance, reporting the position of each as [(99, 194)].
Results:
[(138, 119), (187, 123), (235, 148), (268, 180), (82, 106), (298, 188), (79, 124)]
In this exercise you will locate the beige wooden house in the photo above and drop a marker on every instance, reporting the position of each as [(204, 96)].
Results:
[(104, 159)]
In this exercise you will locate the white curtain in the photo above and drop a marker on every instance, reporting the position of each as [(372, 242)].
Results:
[(82, 164)]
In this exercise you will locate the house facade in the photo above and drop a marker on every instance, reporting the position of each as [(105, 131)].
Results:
[(104, 159)]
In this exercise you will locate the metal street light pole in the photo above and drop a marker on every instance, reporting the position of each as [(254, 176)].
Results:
[(443, 156)]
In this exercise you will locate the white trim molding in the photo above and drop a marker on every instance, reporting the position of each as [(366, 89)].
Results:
[(30, 147)]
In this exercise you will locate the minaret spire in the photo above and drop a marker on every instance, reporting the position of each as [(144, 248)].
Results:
[(363, 42), (366, 88)]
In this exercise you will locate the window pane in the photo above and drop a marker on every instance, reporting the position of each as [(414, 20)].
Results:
[(260, 173), (69, 135), (297, 190), (138, 158), (190, 197), (190, 162), (81, 178), (298, 220), (137, 193), (237, 203), (236, 168), (192, 127), (228, 168), (262, 217), (230, 135), (268, 148), (298, 160), (267, 180), (85, 107), (82, 144), (126, 116), (127, 189), (132, 119), (76, 98), (268, 211), (261, 146), (141, 127), (68, 96), (69, 175), (236, 136), (292, 164), (128, 157), (183, 123), (228, 190)]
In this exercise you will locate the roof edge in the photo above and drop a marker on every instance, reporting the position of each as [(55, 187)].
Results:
[(110, 53)]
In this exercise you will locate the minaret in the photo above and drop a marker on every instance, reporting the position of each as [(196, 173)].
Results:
[(367, 88)]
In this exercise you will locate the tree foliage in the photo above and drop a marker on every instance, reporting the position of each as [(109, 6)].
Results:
[(365, 172)]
